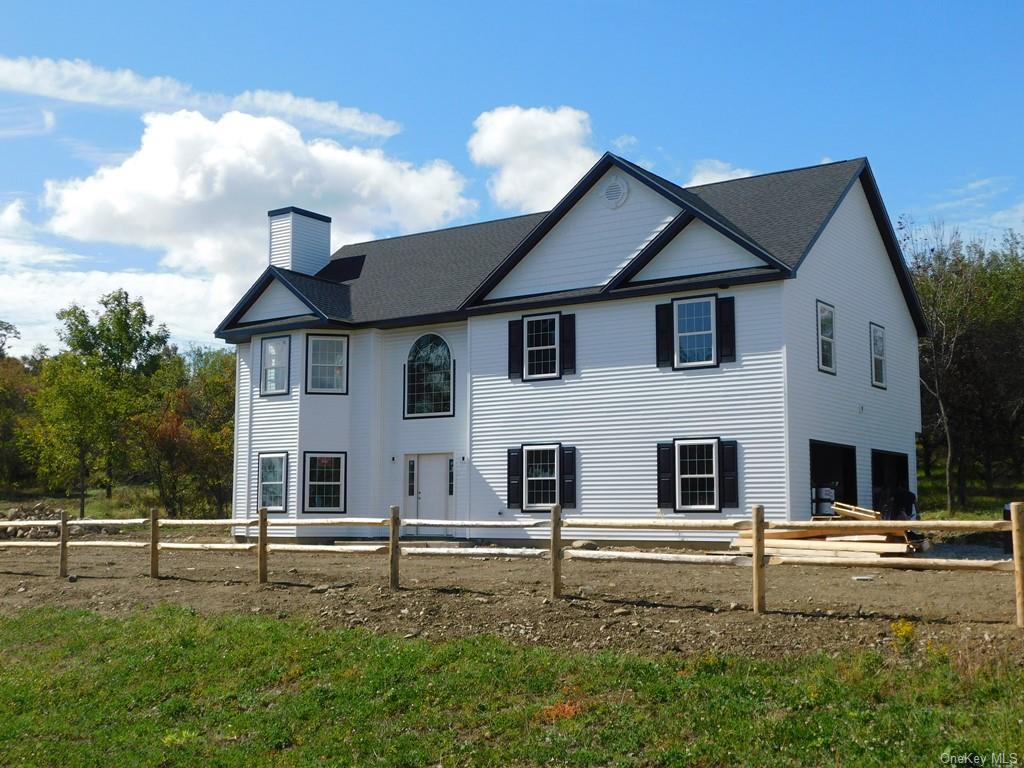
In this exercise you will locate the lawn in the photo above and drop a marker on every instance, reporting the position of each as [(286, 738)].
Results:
[(170, 687)]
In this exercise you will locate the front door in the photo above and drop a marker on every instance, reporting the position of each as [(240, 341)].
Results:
[(428, 489)]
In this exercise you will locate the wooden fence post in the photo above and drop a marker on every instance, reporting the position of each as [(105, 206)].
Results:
[(394, 547), (555, 551), (1017, 518), (62, 568), (154, 544), (261, 548), (757, 554)]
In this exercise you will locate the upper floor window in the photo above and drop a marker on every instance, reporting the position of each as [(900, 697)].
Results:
[(540, 344), (274, 354), (327, 364), (273, 476), (695, 332), (428, 378), (826, 337), (878, 371)]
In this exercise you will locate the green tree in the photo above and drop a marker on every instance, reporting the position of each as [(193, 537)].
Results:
[(7, 332), (211, 414), (72, 415), (17, 387)]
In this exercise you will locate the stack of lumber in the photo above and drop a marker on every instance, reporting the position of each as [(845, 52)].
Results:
[(818, 539)]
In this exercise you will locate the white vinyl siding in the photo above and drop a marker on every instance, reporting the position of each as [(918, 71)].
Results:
[(273, 481), (299, 243), (274, 365), (826, 337), (540, 477), (694, 326), (698, 250), (324, 482), (878, 372), (696, 470), (274, 303), (327, 365), (540, 347)]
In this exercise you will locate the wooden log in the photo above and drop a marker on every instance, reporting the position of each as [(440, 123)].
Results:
[(261, 548), (667, 558), (857, 513), (1017, 520), (154, 544), (29, 523), (850, 546), (217, 522), (657, 523), (902, 563), (93, 521), (757, 556), (555, 549), (524, 552), (62, 564), (201, 546), (410, 522), (874, 526), (6, 543), (827, 553), (281, 522), (109, 544), (342, 549), (813, 533), (394, 546)]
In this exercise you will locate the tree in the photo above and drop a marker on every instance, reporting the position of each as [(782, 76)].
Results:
[(7, 332), (125, 348), (212, 415), (68, 437), (17, 387)]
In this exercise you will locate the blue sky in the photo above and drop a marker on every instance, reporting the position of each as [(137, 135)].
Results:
[(141, 145)]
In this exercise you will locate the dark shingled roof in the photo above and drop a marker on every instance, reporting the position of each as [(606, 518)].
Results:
[(445, 273)]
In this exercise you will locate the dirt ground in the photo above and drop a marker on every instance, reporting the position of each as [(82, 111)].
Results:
[(637, 607)]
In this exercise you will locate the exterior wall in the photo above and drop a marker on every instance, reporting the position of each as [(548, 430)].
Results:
[(299, 242), (848, 267), (276, 301), (620, 405), (591, 243), (243, 425), (698, 250)]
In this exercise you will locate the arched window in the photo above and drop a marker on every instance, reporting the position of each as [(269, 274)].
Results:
[(428, 378)]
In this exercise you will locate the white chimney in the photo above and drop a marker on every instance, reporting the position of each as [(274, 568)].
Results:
[(299, 240)]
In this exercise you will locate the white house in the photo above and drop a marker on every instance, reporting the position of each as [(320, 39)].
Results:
[(641, 349)]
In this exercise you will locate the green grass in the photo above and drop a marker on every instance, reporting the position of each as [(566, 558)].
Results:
[(931, 497), (169, 687), (126, 501)]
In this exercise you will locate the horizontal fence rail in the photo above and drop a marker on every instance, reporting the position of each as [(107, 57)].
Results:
[(756, 530)]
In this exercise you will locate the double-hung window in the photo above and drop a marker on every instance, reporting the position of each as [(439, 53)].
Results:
[(540, 347), (826, 337), (541, 476), (694, 330), (272, 481), (878, 371), (327, 365), (274, 353), (325, 482), (696, 475)]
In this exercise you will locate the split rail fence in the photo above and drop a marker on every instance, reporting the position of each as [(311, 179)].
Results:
[(555, 552)]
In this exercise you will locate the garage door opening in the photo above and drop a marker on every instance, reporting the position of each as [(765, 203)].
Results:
[(833, 467), (888, 471)]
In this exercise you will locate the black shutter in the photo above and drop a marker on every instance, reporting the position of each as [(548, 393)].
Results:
[(666, 477), (728, 474), (515, 478), (515, 349), (567, 343), (725, 312), (663, 332), (567, 497)]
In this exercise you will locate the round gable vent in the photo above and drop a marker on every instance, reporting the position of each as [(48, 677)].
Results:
[(615, 191)]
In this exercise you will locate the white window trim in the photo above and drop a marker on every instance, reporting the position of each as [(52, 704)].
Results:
[(527, 449), (306, 481), (405, 383), (287, 366), (712, 441), (712, 300), (284, 480), (819, 305), (310, 339), (883, 384), (557, 347)]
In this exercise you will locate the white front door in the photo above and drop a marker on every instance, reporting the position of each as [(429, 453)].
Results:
[(428, 489)]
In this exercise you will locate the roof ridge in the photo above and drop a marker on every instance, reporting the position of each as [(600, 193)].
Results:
[(442, 229), (774, 173)]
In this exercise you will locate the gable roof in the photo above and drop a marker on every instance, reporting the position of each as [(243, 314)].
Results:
[(446, 274)]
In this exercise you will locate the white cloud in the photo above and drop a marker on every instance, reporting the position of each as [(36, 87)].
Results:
[(825, 160), (19, 246), (625, 141), (709, 171), (80, 81), (538, 153), (20, 122), (198, 190)]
